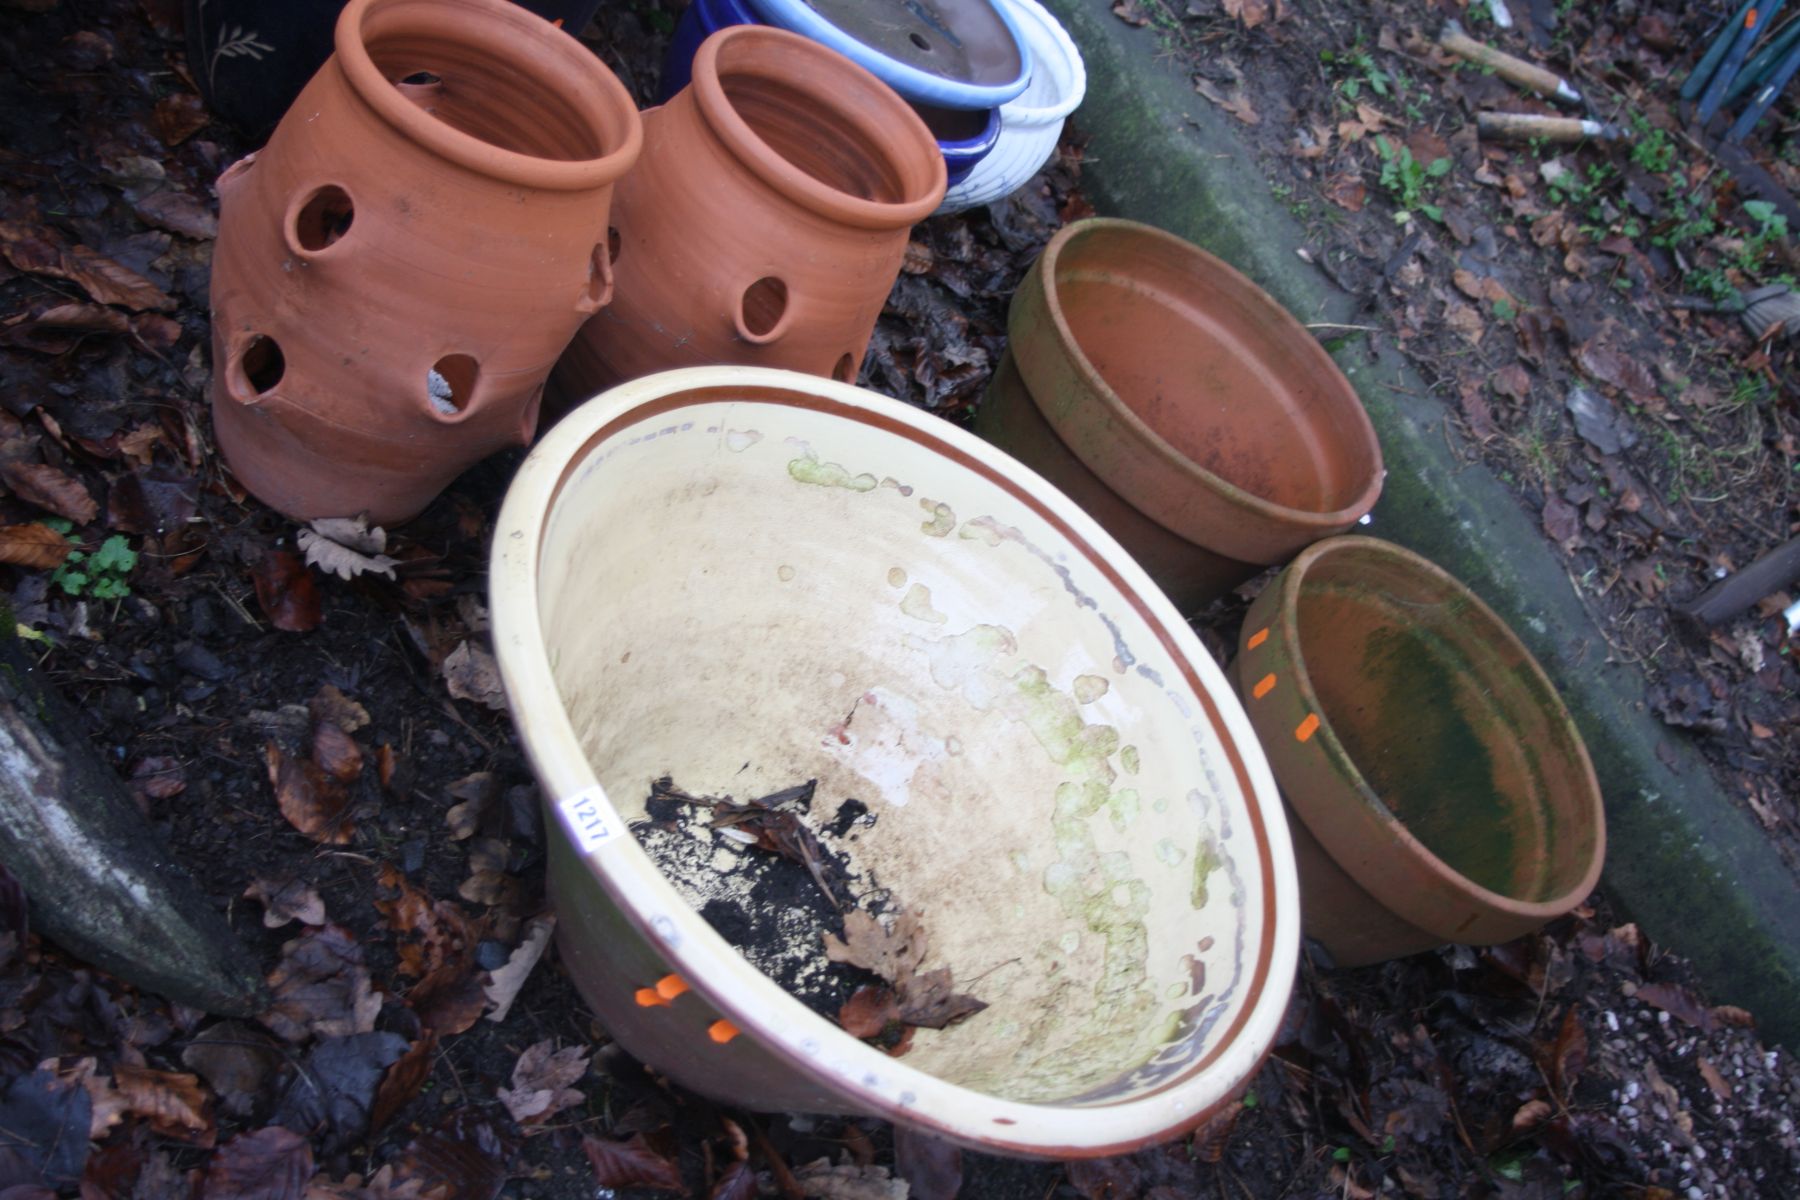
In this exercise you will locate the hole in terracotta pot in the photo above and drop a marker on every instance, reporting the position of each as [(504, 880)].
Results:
[(918, 39), (761, 309), (323, 219), (451, 383), (261, 364), (421, 79), (599, 280), (845, 369), (613, 244), (816, 138)]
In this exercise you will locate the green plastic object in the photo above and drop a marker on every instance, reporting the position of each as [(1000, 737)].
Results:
[(1696, 82), (1764, 62)]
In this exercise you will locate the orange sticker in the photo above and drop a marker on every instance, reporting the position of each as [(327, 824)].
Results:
[(671, 986), (1307, 727), (648, 998), (1263, 687), (721, 1031), (1257, 639)]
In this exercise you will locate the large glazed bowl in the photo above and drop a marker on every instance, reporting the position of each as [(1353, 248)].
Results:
[(749, 578), (1032, 122)]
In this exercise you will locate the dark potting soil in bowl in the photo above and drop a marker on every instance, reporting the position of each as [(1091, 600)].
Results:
[(773, 905)]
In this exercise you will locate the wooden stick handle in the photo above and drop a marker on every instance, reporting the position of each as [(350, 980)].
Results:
[(1517, 70), (1524, 127)]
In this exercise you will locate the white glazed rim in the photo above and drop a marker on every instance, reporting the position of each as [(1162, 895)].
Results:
[(1054, 52), (869, 1079)]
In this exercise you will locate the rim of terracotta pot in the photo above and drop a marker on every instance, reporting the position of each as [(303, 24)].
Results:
[(1194, 501), (887, 125), (810, 1045), (541, 55), (1419, 902)]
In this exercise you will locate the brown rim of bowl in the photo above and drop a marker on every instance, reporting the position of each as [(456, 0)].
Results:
[(556, 60), (1288, 614), (896, 133), (1240, 289)]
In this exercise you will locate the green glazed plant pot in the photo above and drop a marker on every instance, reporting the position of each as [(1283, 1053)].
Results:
[(1436, 786), (700, 573), (1176, 401)]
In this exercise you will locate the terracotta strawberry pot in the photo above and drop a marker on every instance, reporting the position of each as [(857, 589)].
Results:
[(701, 572), (767, 219), (1174, 399), (397, 271), (1438, 789)]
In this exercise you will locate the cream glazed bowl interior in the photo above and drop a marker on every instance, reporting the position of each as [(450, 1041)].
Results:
[(747, 578)]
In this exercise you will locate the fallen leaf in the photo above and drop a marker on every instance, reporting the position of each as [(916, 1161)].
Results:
[(1234, 102), (1513, 381), (868, 1012), (1129, 12), (45, 1119), (50, 489), (37, 547), (155, 501), (59, 329), (1721, 1087), (321, 987), (1680, 1003), (172, 1104), (1569, 1054), (1531, 1114), (824, 1180), (286, 900), (286, 593), (932, 1167), (270, 1164), (178, 212), (312, 801), (464, 1158), (1251, 12), (237, 1061), (332, 707), (404, 1079), (543, 1082), (1598, 422), (1465, 321), (930, 1001), (111, 282), (1603, 361), (471, 674), (1105, 1178), (895, 953), (157, 777), (1562, 521), (179, 116), (336, 752), (331, 1097), (504, 982), (1347, 191), (631, 1163), (347, 547), (475, 795), (737, 1183)]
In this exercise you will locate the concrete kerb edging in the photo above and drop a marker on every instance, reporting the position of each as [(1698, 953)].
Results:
[(1684, 860)]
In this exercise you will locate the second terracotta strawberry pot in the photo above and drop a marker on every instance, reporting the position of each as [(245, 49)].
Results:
[(766, 220), (1437, 789), (1176, 401)]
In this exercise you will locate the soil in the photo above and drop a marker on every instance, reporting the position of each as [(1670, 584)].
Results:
[(767, 904), (336, 746)]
